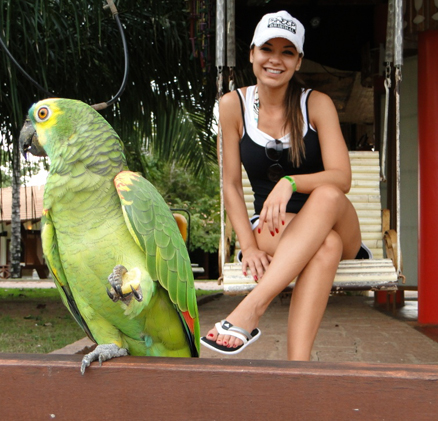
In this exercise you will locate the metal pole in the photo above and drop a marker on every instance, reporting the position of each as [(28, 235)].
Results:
[(231, 33), (220, 63), (220, 33)]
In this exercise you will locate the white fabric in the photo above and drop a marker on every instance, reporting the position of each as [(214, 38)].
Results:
[(262, 138)]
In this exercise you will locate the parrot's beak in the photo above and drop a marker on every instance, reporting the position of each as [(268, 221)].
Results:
[(29, 140)]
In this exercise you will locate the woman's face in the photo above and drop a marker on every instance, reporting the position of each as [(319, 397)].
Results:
[(275, 62)]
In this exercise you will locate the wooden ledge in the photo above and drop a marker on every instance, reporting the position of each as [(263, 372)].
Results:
[(41, 387)]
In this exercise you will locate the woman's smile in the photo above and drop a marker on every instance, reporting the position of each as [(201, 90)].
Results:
[(274, 71)]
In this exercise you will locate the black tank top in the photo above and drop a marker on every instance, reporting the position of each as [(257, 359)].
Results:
[(256, 164)]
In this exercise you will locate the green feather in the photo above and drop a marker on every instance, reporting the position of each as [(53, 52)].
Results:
[(92, 226)]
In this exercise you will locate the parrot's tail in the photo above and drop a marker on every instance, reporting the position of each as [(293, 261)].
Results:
[(188, 326)]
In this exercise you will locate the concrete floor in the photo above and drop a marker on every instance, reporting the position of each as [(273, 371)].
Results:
[(352, 330)]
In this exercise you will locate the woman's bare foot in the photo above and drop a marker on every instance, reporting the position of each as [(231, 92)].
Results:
[(244, 317)]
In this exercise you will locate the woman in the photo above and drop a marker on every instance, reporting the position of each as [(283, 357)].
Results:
[(290, 143)]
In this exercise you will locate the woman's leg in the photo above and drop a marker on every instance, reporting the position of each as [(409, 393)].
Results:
[(326, 209), (309, 298)]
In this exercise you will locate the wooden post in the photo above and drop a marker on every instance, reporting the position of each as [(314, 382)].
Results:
[(43, 387), (428, 174)]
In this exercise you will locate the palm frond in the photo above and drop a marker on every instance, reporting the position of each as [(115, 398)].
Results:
[(74, 50)]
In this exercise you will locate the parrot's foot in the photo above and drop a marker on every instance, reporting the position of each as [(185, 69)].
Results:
[(124, 284), (102, 353)]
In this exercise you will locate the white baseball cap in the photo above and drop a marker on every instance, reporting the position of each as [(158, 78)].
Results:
[(279, 25)]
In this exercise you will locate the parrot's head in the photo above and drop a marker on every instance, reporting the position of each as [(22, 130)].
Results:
[(45, 123), (54, 125)]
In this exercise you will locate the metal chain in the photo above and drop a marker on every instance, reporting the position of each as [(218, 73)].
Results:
[(398, 79), (387, 84), (219, 83)]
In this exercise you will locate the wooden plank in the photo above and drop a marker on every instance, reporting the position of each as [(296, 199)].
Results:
[(368, 206), (365, 166), (361, 278), (371, 236), (364, 154), (351, 275), (354, 198), (377, 253), (364, 227), (363, 183), (365, 196), (360, 190), (244, 289), (43, 387)]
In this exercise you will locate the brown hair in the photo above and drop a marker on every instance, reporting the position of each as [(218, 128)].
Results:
[(294, 118)]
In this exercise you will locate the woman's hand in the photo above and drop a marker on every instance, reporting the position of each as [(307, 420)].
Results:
[(274, 209), (256, 260)]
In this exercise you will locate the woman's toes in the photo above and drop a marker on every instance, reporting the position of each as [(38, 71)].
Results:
[(237, 343), (212, 335), (220, 339), (234, 342), (225, 340)]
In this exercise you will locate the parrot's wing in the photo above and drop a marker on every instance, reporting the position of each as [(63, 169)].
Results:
[(53, 260), (156, 232)]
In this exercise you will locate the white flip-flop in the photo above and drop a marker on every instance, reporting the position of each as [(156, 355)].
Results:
[(226, 328)]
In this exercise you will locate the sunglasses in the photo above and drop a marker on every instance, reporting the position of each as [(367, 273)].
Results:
[(273, 150)]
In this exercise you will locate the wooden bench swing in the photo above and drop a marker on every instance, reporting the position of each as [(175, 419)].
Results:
[(382, 273), (377, 274)]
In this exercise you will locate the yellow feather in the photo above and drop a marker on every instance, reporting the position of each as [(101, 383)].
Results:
[(50, 122)]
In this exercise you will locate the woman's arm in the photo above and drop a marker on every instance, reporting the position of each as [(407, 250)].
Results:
[(230, 116), (337, 170)]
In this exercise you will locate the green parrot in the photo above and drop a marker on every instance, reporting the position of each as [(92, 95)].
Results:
[(110, 241)]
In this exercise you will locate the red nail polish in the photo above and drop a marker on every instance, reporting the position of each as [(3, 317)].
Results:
[(272, 233), (244, 273), (276, 230), (255, 278), (225, 343), (259, 230), (282, 222), (210, 335)]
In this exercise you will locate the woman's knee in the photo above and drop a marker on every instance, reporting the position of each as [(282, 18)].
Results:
[(331, 249), (328, 193), (330, 198)]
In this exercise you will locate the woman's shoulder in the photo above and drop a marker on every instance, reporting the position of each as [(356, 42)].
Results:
[(230, 111), (318, 96), (321, 109), (230, 101), (233, 96), (229, 105), (319, 101), (229, 98)]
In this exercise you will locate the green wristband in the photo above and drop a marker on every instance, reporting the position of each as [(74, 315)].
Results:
[(292, 182)]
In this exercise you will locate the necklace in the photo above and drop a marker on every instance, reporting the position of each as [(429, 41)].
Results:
[(256, 105)]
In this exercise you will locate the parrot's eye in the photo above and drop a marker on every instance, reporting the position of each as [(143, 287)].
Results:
[(42, 114)]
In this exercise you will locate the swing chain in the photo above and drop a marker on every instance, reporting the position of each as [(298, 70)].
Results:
[(231, 83), (388, 75), (387, 84), (219, 83), (398, 79)]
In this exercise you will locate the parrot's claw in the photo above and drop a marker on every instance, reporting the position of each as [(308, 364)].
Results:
[(102, 353), (138, 296), (122, 287), (112, 296)]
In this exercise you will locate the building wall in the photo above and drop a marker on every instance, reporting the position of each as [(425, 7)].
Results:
[(3, 250), (409, 169)]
